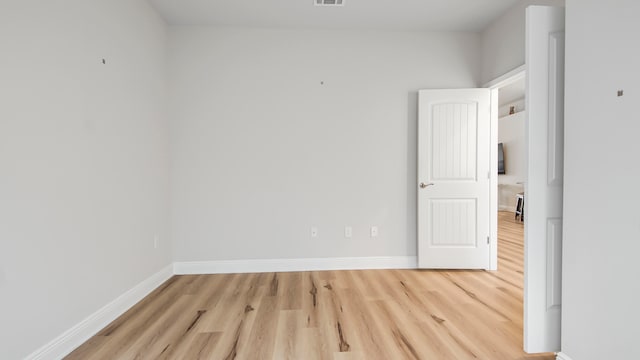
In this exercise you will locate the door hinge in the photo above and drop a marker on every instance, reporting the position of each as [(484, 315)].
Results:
[(489, 175), (488, 240)]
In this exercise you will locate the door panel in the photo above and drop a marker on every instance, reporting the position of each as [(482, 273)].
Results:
[(543, 189), (453, 169), (453, 223), (555, 143), (453, 135)]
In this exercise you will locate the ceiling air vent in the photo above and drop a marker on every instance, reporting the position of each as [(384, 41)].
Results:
[(329, 2)]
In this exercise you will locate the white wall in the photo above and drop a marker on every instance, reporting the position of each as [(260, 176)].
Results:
[(262, 150), (601, 194), (519, 106), (502, 42), (511, 134), (83, 161)]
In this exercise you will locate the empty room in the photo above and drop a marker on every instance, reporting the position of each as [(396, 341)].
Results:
[(319, 179)]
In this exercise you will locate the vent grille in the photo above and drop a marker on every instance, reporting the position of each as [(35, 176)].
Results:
[(329, 2)]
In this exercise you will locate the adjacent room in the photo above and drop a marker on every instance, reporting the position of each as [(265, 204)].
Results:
[(318, 179)]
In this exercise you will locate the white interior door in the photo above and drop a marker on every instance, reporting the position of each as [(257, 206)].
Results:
[(543, 189), (453, 178)]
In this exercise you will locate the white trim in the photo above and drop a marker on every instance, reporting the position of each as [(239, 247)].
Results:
[(508, 78), (562, 356), (81, 332), (286, 265)]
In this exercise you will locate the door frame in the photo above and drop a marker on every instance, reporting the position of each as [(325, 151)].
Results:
[(494, 86)]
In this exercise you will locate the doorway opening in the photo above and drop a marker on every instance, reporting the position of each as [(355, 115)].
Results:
[(512, 167), (509, 151), (511, 148)]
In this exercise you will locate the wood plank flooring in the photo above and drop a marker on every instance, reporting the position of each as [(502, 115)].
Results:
[(372, 314)]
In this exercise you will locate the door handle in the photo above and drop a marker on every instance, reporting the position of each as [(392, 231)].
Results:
[(423, 185)]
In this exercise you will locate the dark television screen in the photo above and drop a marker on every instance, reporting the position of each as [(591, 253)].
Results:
[(500, 159)]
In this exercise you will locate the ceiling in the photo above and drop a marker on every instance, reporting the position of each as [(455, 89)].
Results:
[(432, 15)]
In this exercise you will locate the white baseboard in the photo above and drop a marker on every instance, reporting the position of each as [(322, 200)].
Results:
[(562, 356), (287, 265), (77, 335)]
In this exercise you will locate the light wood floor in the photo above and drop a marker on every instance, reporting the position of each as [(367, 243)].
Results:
[(372, 314)]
